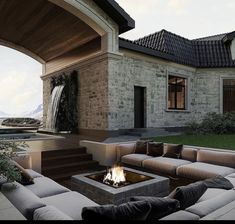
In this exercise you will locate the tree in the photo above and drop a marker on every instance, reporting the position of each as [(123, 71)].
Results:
[(8, 151)]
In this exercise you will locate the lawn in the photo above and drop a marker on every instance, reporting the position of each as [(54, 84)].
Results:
[(211, 141)]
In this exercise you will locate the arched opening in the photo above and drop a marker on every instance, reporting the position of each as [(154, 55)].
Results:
[(21, 86)]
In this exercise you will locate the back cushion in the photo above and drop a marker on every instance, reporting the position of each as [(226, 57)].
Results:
[(22, 198), (124, 149), (216, 157), (189, 154)]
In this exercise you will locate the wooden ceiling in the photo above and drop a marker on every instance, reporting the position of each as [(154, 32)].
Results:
[(42, 27)]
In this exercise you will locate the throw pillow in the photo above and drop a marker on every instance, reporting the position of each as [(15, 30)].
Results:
[(218, 182), (136, 211), (160, 207), (155, 149), (141, 146), (173, 151), (26, 178), (188, 195)]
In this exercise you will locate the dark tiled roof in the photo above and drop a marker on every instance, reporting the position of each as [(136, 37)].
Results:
[(205, 52)]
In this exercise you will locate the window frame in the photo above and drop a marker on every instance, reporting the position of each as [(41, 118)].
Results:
[(187, 88)]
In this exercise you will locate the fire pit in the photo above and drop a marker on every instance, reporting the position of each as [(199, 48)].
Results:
[(108, 188), (117, 177)]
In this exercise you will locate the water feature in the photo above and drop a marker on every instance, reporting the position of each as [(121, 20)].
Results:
[(53, 108)]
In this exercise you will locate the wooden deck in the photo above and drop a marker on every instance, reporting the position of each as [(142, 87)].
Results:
[(69, 141)]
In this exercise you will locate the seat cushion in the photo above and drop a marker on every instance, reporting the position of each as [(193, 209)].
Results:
[(201, 171), (22, 198), (164, 164), (211, 193), (70, 203), (45, 187), (231, 178), (181, 215), (204, 208), (225, 213), (135, 159), (49, 213)]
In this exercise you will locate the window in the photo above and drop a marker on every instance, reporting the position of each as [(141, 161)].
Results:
[(229, 95), (177, 93)]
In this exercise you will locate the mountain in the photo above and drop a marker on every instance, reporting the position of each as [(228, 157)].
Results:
[(37, 113), (3, 114)]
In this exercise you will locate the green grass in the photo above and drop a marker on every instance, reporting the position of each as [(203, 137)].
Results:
[(211, 141)]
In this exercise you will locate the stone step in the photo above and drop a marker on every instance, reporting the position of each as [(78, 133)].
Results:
[(55, 170), (63, 152), (65, 159)]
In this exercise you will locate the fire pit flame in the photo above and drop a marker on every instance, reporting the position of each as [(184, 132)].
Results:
[(115, 176)]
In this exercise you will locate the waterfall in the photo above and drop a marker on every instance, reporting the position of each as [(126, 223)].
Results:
[(53, 108)]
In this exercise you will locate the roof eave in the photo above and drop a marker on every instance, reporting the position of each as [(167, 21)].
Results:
[(118, 14)]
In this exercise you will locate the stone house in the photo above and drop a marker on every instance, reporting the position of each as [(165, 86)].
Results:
[(161, 80)]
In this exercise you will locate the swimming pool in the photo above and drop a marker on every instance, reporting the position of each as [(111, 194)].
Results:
[(27, 137)]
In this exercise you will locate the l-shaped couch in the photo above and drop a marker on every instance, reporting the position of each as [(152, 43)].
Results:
[(194, 165), (48, 200)]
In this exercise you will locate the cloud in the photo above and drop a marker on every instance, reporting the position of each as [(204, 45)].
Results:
[(20, 83), (179, 6)]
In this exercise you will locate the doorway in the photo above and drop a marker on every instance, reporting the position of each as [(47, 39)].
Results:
[(139, 110)]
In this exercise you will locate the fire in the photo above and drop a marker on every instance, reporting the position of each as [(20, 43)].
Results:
[(115, 176)]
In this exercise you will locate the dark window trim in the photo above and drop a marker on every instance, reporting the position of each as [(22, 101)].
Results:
[(176, 85)]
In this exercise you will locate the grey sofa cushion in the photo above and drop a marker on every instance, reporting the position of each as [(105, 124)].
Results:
[(188, 195), (225, 213), (173, 151), (201, 171), (124, 149), (216, 157), (70, 203), (22, 198), (135, 159), (218, 182), (33, 173), (204, 208), (211, 193), (181, 215), (164, 164), (231, 178), (133, 211), (160, 207), (45, 187), (189, 154), (50, 213)]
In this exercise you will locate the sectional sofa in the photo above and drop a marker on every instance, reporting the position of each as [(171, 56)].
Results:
[(194, 164), (47, 200)]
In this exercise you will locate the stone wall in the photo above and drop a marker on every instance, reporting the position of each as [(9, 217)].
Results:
[(152, 74), (209, 89), (92, 92)]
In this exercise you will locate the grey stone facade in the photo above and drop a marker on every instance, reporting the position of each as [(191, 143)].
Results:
[(106, 92)]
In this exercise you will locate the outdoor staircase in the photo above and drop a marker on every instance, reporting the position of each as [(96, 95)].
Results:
[(60, 165)]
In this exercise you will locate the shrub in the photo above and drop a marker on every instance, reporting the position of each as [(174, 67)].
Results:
[(213, 123), (8, 150)]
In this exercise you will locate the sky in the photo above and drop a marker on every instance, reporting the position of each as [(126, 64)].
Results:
[(20, 83), (188, 18)]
